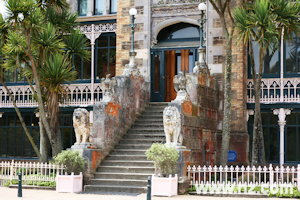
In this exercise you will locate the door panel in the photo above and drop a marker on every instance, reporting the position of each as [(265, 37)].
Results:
[(157, 77), (170, 73)]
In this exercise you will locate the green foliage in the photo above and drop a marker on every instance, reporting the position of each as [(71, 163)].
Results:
[(164, 158), (71, 160)]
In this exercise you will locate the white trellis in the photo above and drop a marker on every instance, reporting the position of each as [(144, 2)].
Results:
[(256, 176), (31, 171), (77, 95), (271, 90)]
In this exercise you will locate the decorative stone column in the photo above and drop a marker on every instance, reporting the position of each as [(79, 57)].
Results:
[(180, 87), (282, 113)]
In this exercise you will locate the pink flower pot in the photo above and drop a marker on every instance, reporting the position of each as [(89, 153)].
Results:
[(164, 186), (69, 183)]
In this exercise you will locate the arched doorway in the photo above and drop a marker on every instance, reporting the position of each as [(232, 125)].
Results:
[(175, 51)]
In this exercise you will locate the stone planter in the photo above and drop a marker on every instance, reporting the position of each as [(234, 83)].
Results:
[(163, 186), (69, 183)]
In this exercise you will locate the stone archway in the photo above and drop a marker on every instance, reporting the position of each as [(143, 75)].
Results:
[(170, 22)]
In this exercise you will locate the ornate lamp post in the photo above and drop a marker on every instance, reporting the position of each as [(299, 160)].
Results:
[(201, 63), (131, 67)]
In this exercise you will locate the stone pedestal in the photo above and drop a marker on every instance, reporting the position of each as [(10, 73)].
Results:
[(93, 157), (181, 169)]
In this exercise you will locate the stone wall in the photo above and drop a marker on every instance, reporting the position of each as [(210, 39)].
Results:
[(112, 119), (200, 116)]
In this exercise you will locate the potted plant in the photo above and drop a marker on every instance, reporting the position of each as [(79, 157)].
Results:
[(72, 181), (164, 159)]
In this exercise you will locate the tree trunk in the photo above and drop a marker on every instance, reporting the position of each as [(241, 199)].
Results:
[(35, 148), (227, 97), (43, 143), (258, 138)]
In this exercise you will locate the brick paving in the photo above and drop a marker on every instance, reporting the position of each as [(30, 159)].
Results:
[(11, 194)]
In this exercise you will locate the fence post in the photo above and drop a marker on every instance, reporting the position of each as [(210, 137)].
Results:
[(271, 175), (149, 188), (20, 185), (298, 177)]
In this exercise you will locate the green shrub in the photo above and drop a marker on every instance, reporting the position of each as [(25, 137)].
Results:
[(164, 158), (71, 160)]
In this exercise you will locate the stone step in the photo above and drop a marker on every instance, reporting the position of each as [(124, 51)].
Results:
[(121, 182), (133, 146), (115, 188), (147, 129), (150, 117), (150, 114), (144, 136), (147, 126), (141, 141), (158, 108), (138, 131), (127, 151), (127, 157), (127, 163), (112, 175), (126, 169), (154, 122)]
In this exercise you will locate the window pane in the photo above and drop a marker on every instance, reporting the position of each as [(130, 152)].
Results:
[(27, 145), (36, 139), (291, 119), (86, 69), (3, 121), (112, 62), (2, 142), (11, 120), (271, 62), (291, 54), (10, 142), (27, 120), (77, 63), (156, 73), (82, 7), (66, 138), (20, 77), (274, 144), (266, 141), (112, 41), (18, 142), (291, 144), (273, 119), (264, 118), (99, 7), (113, 6), (35, 121), (102, 41), (102, 63), (67, 120)]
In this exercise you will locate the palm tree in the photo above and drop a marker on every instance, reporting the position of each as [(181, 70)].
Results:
[(263, 22), (39, 40), (56, 71)]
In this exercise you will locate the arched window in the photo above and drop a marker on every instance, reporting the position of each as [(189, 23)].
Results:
[(180, 31)]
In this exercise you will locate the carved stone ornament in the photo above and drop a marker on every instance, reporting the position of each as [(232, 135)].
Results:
[(180, 87), (172, 126), (108, 84), (81, 123)]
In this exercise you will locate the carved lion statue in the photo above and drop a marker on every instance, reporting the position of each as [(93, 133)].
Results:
[(81, 123), (172, 126)]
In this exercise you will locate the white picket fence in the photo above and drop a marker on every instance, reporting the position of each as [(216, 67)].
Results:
[(250, 176), (31, 171)]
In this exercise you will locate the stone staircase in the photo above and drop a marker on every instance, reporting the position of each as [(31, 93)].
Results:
[(126, 168)]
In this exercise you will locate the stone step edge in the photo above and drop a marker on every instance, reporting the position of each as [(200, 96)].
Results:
[(129, 155), (121, 180), (135, 161), (133, 150), (115, 186)]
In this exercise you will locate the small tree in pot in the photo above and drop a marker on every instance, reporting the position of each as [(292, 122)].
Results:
[(74, 165), (164, 159)]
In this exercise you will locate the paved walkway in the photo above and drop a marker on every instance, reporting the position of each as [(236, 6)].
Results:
[(11, 194)]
